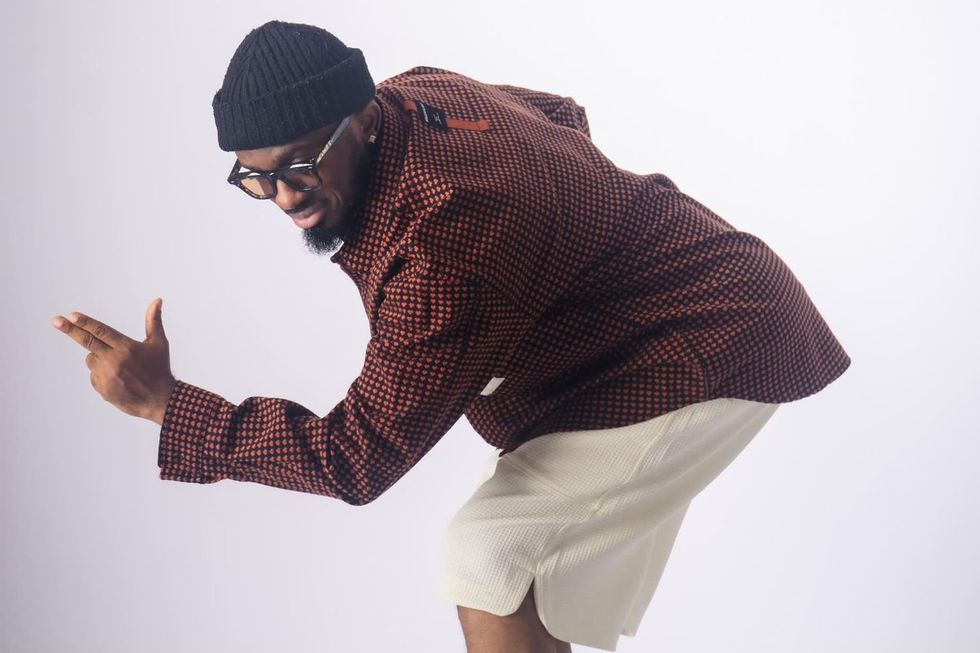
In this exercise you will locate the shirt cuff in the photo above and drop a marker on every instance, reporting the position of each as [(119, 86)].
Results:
[(186, 419)]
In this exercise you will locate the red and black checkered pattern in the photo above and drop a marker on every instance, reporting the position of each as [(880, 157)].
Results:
[(500, 243)]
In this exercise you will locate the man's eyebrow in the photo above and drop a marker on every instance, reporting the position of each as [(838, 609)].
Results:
[(283, 159)]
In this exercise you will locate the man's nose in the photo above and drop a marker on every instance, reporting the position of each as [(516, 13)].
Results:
[(288, 198)]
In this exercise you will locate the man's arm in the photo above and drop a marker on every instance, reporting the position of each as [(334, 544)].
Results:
[(437, 341)]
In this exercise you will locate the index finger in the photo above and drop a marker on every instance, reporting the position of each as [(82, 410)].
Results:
[(90, 333)]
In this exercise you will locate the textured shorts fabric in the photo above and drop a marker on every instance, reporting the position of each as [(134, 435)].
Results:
[(590, 517)]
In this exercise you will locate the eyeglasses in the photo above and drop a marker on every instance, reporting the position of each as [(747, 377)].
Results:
[(301, 176)]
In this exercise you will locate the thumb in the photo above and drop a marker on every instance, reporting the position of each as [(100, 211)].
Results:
[(154, 320)]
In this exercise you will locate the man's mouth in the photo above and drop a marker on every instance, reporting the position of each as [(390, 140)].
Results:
[(309, 217)]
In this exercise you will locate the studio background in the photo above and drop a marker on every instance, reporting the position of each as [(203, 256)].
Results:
[(843, 134)]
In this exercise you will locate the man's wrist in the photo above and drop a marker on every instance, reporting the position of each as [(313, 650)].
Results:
[(156, 414)]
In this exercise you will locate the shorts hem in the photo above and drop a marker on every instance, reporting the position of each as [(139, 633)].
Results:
[(459, 592)]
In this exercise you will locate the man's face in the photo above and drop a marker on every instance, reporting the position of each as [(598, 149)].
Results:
[(326, 214)]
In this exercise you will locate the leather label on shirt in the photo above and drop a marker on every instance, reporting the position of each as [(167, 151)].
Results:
[(437, 118)]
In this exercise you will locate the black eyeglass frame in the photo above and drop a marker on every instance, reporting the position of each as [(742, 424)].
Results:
[(236, 177)]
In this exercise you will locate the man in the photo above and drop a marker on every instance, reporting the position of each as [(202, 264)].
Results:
[(606, 333)]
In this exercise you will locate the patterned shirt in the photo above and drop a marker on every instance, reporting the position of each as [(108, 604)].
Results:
[(511, 273)]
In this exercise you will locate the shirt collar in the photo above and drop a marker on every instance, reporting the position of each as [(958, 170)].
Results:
[(375, 214)]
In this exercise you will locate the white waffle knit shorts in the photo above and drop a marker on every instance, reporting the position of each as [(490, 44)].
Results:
[(590, 518)]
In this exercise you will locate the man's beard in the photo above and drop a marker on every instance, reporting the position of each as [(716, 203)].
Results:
[(324, 241), (321, 240)]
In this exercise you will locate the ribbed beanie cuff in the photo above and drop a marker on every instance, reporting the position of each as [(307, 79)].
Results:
[(286, 80)]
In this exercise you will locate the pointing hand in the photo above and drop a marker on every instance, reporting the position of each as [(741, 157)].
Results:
[(133, 376)]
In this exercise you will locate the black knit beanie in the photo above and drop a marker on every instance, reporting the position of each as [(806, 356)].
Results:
[(286, 80)]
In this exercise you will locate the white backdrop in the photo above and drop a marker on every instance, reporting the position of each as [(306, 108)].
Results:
[(844, 134)]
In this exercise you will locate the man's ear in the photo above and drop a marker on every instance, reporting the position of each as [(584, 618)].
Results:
[(369, 114)]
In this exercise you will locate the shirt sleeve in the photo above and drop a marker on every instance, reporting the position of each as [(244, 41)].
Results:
[(434, 346)]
